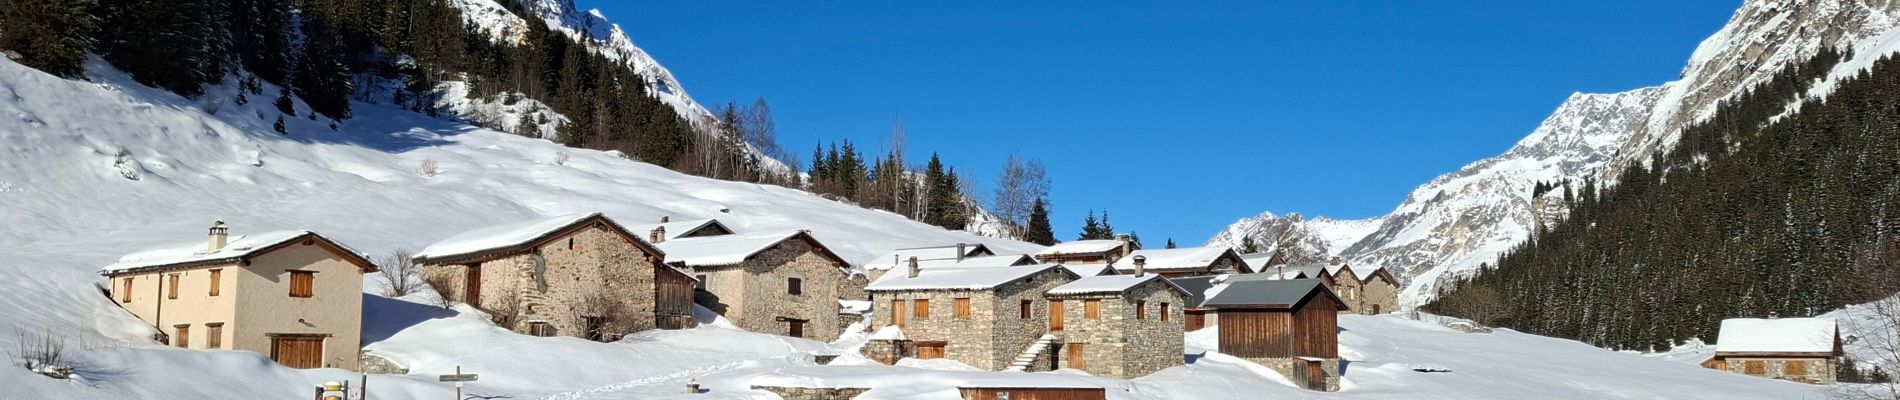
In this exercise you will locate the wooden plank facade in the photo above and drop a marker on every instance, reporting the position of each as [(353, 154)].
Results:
[(1309, 329), (1034, 393), (673, 299)]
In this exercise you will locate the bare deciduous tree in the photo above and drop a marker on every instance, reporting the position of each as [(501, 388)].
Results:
[(43, 353), (401, 275), (610, 318), (1021, 183), (1872, 330), (441, 285)]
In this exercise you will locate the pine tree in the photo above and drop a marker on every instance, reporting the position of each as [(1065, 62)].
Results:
[(1090, 228), (48, 35), (1038, 230), (169, 44), (260, 37), (320, 77), (1171, 243)]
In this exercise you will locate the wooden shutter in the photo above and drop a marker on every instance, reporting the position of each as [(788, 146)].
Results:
[(1753, 367), (897, 313), (125, 293), (1164, 311), (962, 307), (173, 292), (214, 335), (1141, 309), (216, 276), (297, 351), (920, 308), (182, 336), (302, 283), (1794, 368), (1027, 304), (1077, 356), (794, 286), (1092, 309), (1055, 315), (472, 285)]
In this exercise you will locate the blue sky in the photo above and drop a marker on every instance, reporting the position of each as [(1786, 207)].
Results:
[(1178, 118)]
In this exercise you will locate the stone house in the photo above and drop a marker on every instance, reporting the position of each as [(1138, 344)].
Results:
[(1122, 326), (1186, 261), (670, 229), (927, 257), (1099, 251), (1369, 291), (580, 275), (784, 283), (1288, 325), (1795, 349), (988, 318), (295, 296)]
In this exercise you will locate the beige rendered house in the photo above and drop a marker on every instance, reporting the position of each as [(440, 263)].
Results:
[(784, 283), (295, 296), (580, 275)]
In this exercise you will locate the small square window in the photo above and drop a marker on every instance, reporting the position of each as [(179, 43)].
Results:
[(794, 286)]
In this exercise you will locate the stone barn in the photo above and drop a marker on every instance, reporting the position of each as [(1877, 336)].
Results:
[(1185, 261), (1098, 251), (580, 275), (1123, 326), (1794, 349), (1369, 291), (669, 229), (989, 318), (785, 283), (1290, 326)]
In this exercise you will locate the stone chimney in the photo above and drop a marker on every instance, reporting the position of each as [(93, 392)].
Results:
[(912, 272), (961, 249), (220, 235), (666, 219), (658, 235), (1141, 266), (1127, 246)]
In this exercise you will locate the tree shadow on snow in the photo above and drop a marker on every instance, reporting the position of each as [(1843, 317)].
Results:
[(384, 317), (381, 129)]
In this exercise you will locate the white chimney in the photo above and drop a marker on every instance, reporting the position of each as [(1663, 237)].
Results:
[(658, 235), (220, 235), (1141, 266), (913, 267)]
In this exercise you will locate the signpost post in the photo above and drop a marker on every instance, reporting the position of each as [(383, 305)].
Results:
[(458, 378)]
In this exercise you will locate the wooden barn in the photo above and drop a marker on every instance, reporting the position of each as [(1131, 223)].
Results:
[(1288, 325)]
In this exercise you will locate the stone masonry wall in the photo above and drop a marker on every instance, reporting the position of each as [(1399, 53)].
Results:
[(1819, 370), (590, 273), (1285, 367), (1117, 344), (967, 340), (757, 298), (802, 393), (1377, 292), (1014, 333)]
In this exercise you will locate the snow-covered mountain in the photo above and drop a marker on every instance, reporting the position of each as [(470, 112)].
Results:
[(1299, 239), (606, 37), (1459, 221)]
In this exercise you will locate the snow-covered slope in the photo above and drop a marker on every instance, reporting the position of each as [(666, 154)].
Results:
[(1299, 239), (491, 17), (1450, 226)]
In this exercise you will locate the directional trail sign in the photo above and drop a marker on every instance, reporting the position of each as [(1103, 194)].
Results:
[(459, 378)]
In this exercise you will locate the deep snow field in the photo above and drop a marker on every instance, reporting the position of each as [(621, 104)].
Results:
[(90, 171)]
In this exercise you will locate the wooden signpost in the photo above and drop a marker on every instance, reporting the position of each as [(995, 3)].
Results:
[(458, 378)]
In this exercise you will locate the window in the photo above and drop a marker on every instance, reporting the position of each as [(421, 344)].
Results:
[(125, 291), (1026, 309), (1092, 309), (1164, 312), (962, 309), (540, 328), (699, 281), (214, 335), (920, 308), (216, 276), (173, 293), (794, 286), (1794, 368), (570, 243), (302, 283), (183, 336), (1141, 309), (1753, 367)]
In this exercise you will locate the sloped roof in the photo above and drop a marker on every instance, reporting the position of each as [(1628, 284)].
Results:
[(515, 235), (1176, 259), (677, 229), (1196, 287), (236, 248), (1089, 269), (941, 255), (1777, 335), (730, 249), (1107, 284), (1082, 247), (1257, 261), (1011, 260), (954, 278), (1294, 271), (1246, 293)]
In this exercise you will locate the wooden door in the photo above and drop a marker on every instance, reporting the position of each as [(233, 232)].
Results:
[(795, 328), (297, 352), (1077, 355), (930, 350), (1314, 374), (472, 286), (1196, 321), (897, 313), (1055, 315)]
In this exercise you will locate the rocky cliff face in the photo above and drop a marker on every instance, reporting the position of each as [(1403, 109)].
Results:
[(1454, 224)]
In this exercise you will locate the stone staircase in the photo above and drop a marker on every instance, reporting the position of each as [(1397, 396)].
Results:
[(1035, 350)]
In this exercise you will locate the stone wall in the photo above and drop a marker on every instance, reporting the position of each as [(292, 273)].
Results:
[(1118, 344), (1014, 333), (1818, 370), (1285, 367), (592, 272), (755, 295), (1377, 296), (994, 333), (887, 351), (803, 393)]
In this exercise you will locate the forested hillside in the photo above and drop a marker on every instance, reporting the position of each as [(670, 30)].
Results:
[(1759, 211)]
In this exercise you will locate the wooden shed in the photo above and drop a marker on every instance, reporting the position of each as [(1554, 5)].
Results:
[(1032, 393), (1288, 325)]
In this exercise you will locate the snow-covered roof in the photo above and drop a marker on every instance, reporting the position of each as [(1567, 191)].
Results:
[(1284, 271), (854, 307), (954, 278), (1012, 260), (888, 332), (1247, 292), (1776, 335), (1089, 269), (1175, 259), (939, 255), (1104, 284), (194, 252), (502, 236), (723, 249), (1082, 247), (677, 229), (1257, 261)]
